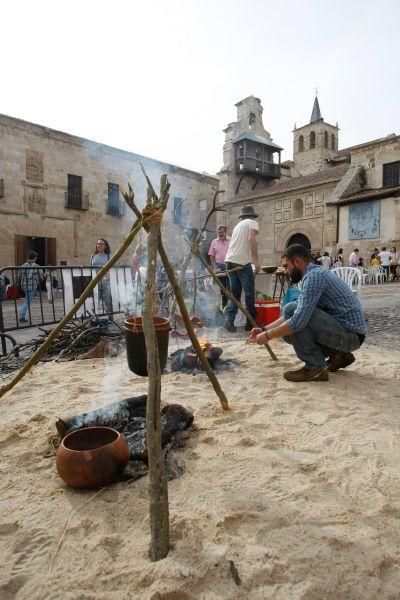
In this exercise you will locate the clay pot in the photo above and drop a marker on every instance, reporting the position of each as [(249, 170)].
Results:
[(92, 457), (136, 345)]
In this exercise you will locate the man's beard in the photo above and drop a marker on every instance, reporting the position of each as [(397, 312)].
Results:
[(295, 275)]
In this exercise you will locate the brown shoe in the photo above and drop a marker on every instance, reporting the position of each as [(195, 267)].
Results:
[(341, 360), (305, 374)]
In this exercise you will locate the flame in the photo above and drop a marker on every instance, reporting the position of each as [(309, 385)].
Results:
[(204, 345)]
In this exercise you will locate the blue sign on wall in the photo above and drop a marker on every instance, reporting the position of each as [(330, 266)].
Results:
[(364, 220)]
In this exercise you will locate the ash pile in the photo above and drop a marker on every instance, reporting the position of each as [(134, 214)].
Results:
[(129, 418)]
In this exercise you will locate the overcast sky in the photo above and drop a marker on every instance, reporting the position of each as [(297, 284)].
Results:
[(161, 77)]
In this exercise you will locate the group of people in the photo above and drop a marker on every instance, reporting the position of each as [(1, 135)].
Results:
[(324, 325)]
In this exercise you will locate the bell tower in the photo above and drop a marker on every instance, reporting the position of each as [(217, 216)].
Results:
[(251, 158), (314, 143)]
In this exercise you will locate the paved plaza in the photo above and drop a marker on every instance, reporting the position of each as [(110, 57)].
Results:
[(381, 303)]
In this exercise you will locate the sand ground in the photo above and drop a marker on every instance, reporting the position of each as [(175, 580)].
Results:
[(297, 486)]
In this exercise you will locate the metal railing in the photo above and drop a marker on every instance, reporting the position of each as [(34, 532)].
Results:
[(115, 208), (76, 200), (262, 168), (37, 296)]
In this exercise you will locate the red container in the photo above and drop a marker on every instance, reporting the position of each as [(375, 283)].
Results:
[(267, 311)]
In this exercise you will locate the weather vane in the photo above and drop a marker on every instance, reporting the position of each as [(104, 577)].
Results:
[(316, 91)]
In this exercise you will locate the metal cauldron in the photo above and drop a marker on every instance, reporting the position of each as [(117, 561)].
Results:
[(92, 457)]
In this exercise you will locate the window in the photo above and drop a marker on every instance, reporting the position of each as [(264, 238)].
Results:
[(391, 174), (312, 139), (178, 211), (297, 208), (326, 139), (74, 197), (301, 143), (1, 188), (333, 142), (114, 206)]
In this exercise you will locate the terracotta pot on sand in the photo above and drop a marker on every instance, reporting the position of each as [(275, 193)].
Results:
[(136, 345), (92, 457)]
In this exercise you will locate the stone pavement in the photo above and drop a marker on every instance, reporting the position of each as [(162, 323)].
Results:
[(382, 310)]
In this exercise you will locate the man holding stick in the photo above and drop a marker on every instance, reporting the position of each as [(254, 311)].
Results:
[(242, 252), (327, 321)]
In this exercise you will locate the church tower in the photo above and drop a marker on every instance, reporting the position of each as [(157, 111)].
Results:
[(251, 158), (314, 143)]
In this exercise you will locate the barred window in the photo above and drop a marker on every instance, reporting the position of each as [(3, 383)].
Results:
[(391, 174), (312, 139)]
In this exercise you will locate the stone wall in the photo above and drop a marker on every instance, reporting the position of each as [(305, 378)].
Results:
[(34, 164)]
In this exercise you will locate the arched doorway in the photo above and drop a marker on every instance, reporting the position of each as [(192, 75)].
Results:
[(299, 238)]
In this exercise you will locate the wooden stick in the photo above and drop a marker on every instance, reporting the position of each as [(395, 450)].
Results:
[(189, 327), (158, 487), (86, 293), (229, 295), (184, 312)]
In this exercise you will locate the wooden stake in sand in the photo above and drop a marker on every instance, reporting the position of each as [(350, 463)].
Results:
[(158, 487)]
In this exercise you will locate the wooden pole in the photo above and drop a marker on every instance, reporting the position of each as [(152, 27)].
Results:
[(158, 487), (189, 327), (182, 306), (229, 295)]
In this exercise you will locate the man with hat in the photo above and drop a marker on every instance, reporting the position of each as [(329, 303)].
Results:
[(242, 252)]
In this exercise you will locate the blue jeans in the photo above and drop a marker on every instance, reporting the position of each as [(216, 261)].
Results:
[(322, 336), (105, 300), (29, 296), (238, 280), (225, 283)]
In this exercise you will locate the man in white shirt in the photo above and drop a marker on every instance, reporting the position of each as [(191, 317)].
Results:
[(385, 260), (242, 252)]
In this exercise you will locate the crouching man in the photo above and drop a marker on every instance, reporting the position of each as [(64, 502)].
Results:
[(324, 326)]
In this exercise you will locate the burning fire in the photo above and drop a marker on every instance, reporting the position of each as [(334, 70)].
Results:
[(204, 345)]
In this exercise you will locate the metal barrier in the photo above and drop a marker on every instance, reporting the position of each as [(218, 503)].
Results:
[(37, 296)]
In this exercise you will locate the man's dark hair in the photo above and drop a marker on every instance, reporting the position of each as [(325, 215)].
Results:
[(297, 251), (32, 255), (356, 250), (383, 248)]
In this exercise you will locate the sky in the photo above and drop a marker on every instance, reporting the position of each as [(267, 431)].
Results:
[(161, 77)]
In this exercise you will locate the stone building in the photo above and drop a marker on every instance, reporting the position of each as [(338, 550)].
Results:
[(325, 198), (59, 193)]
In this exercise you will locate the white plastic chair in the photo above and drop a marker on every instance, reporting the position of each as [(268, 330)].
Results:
[(381, 275), (351, 276)]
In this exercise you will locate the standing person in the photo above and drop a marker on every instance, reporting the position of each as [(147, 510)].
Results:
[(338, 260), (29, 279), (326, 321), (384, 255), (242, 252), (138, 259), (100, 257), (394, 261), (217, 253), (325, 261), (354, 258)]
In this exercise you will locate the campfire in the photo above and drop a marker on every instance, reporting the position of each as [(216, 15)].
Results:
[(186, 359)]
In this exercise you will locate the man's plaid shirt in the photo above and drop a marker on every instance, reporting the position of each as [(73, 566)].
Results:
[(29, 277), (325, 290)]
